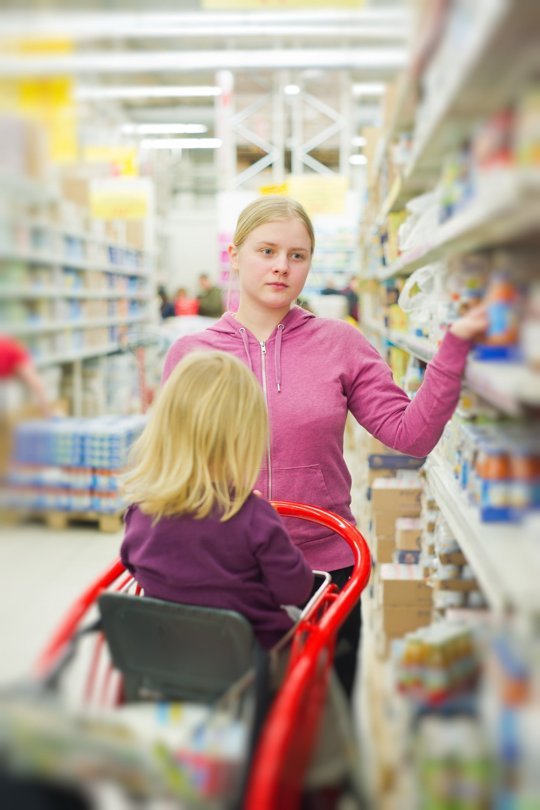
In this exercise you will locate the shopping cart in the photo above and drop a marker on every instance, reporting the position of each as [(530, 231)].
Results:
[(282, 747)]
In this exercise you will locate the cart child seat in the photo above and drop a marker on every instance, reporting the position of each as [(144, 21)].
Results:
[(172, 651)]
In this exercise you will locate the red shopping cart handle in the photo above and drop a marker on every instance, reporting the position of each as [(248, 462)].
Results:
[(287, 740)]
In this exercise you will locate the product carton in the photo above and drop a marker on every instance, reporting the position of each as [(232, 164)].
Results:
[(404, 585), (383, 549), (394, 461), (384, 525), (406, 556), (456, 585), (373, 474), (398, 620), (136, 233), (397, 496), (76, 189), (453, 558), (408, 534)]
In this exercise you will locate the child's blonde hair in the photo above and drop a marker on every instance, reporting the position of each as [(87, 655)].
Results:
[(269, 209), (203, 444)]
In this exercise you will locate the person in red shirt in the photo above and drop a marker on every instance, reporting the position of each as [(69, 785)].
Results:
[(183, 304), (15, 362)]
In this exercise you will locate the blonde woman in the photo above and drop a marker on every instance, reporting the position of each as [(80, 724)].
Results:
[(313, 372), (195, 533)]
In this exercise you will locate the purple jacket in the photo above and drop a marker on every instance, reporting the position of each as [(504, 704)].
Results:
[(313, 371), (247, 564)]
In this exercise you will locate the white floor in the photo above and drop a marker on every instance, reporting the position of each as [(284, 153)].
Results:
[(42, 572)]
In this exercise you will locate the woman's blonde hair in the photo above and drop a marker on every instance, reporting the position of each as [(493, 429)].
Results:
[(203, 444), (269, 209)]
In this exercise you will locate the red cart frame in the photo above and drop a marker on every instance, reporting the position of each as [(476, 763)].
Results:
[(287, 739)]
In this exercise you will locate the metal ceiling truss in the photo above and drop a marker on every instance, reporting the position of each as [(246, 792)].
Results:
[(289, 120)]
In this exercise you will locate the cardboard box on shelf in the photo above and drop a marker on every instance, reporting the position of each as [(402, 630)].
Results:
[(453, 558), (373, 445), (76, 188), (136, 233), (398, 496), (394, 461), (456, 585), (384, 524), (398, 620), (407, 555), (383, 549), (372, 475), (404, 585), (408, 534)]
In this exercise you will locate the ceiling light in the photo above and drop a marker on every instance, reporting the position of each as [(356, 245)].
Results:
[(369, 89), (291, 89), (181, 143), (163, 129), (358, 160), (132, 91), (358, 141), (136, 62)]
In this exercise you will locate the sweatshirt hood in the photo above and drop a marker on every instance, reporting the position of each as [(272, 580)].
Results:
[(295, 319)]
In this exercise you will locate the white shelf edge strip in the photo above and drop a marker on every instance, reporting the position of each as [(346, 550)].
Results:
[(496, 552)]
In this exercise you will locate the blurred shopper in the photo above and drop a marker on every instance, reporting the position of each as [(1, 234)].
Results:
[(183, 304), (314, 371), (16, 363), (166, 306), (210, 298), (353, 302)]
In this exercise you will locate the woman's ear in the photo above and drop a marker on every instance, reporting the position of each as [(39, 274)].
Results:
[(232, 250)]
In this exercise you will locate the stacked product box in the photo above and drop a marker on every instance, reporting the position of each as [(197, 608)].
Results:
[(71, 464)]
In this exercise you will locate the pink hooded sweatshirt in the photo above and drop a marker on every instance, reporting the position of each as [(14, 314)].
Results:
[(313, 371)]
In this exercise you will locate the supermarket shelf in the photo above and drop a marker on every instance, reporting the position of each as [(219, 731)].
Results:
[(71, 233), (396, 199), (93, 351), (66, 292), (58, 326), (417, 346), (401, 119), (504, 560), (66, 261), (507, 386), (506, 208), (81, 354), (503, 42), (35, 191)]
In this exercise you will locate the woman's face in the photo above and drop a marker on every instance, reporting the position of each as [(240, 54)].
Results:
[(273, 263)]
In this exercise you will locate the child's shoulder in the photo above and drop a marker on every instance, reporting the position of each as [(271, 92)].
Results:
[(258, 508)]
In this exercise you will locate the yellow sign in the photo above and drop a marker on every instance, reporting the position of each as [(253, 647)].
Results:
[(123, 159), (120, 198), (49, 101), (319, 194), (275, 188)]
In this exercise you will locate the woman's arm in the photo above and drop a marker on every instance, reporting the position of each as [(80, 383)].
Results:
[(415, 426)]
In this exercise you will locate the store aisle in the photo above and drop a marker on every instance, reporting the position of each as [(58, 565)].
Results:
[(43, 571)]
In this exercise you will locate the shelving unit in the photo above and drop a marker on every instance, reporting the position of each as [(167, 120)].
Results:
[(505, 209), (60, 283), (498, 55), (502, 556)]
